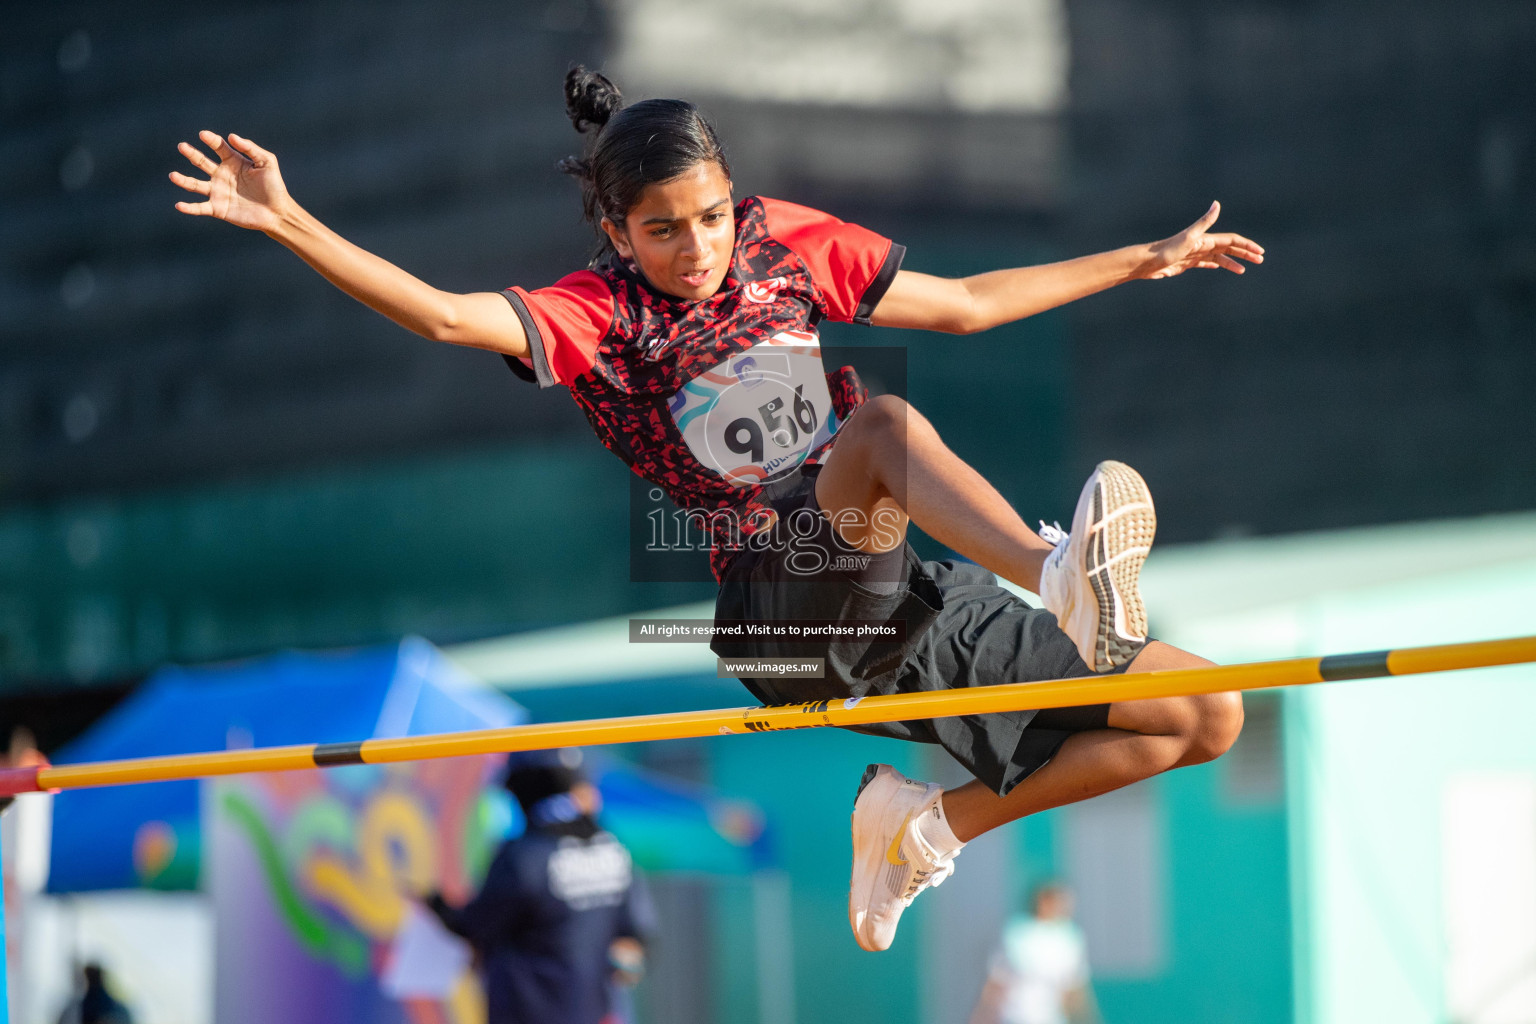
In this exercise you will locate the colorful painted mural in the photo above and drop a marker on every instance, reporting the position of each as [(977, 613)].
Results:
[(313, 874)]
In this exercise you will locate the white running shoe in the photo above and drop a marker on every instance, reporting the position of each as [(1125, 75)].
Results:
[(1089, 581), (892, 862)]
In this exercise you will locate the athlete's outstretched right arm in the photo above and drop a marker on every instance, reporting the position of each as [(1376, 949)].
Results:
[(245, 188)]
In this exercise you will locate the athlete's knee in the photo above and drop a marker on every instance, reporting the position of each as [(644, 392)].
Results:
[(887, 417), (1217, 720)]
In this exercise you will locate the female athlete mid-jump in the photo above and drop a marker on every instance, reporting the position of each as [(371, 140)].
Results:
[(690, 343)]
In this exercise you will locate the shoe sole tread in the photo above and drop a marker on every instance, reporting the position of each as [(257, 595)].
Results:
[(1123, 523)]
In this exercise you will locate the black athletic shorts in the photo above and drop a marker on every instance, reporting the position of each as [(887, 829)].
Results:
[(961, 629)]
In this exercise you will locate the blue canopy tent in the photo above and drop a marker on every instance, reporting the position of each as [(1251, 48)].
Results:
[(149, 835)]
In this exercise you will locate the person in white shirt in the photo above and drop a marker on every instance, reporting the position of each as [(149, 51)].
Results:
[(1039, 974)]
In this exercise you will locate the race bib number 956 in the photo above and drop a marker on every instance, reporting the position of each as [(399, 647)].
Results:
[(761, 412)]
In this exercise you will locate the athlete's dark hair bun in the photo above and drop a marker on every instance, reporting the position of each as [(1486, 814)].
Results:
[(631, 147), (590, 98)]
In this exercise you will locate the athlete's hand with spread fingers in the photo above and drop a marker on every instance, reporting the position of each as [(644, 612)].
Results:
[(1198, 248), (244, 188), (983, 301)]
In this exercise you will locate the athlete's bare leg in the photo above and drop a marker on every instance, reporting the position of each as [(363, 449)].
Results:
[(1145, 737), (890, 463)]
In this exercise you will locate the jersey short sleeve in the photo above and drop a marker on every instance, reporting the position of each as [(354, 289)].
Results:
[(851, 266), (565, 324)]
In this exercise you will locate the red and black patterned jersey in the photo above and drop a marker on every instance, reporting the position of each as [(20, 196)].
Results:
[(715, 400)]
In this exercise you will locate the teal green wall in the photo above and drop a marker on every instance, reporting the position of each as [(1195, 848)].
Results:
[(1367, 762), (1367, 768), (1373, 760), (805, 781), (1226, 898), (1228, 912)]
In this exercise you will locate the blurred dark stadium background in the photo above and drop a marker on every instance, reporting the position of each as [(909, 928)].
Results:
[(206, 452)]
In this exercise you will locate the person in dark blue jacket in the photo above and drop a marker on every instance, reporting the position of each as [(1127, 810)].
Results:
[(561, 917)]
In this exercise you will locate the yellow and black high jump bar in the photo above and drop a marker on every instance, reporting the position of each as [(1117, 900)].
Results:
[(852, 711)]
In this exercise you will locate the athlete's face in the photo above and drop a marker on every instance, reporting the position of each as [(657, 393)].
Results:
[(681, 232)]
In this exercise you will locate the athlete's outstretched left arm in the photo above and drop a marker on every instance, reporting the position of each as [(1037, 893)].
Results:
[(970, 304)]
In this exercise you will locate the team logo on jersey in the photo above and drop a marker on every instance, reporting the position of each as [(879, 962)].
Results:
[(763, 291), (759, 413)]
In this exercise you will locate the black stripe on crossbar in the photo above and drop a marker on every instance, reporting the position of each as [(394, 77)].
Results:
[(1354, 666), (327, 754)]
